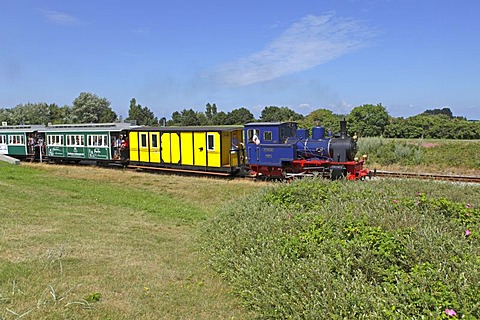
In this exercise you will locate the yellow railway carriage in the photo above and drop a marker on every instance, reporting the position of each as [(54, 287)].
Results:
[(206, 149)]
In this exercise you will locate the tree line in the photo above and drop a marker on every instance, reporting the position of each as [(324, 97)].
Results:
[(367, 120)]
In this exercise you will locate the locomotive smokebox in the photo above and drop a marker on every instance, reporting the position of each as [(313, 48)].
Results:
[(342, 150)]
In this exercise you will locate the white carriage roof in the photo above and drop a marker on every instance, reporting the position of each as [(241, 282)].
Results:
[(117, 126), (21, 128)]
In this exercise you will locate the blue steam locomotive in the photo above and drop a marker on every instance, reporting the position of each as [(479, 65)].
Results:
[(281, 150)]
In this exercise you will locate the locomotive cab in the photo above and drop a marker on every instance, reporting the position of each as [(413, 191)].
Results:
[(269, 142)]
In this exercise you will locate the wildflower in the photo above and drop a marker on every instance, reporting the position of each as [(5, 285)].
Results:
[(467, 232), (450, 312), (395, 201), (468, 206), (419, 194)]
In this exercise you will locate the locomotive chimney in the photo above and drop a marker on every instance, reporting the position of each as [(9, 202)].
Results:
[(343, 128)]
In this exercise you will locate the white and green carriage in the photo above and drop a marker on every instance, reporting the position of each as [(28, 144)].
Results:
[(76, 142), (64, 142), (18, 141)]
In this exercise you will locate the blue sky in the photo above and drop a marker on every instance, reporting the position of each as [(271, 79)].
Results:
[(409, 55)]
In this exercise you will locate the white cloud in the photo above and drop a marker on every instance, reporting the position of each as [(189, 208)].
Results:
[(311, 41), (61, 18)]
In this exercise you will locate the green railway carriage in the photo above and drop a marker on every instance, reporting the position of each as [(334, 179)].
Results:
[(99, 141), (206, 149), (18, 141)]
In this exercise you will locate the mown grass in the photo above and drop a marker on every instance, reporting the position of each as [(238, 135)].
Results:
[(388, 249), (89, 243)]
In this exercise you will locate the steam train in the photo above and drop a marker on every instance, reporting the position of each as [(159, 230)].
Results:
[(261, 150)]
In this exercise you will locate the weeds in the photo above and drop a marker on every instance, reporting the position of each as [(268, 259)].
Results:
[(439, 155)]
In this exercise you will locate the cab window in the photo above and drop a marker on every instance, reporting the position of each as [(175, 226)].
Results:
[(267, 136), (251, 133)]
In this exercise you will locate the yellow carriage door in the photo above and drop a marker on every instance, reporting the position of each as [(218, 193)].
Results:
[(187, 147), (200, 148), (154, 147), (143, 146), (213, 149), (166, 152), (133, 145), (175, 147)]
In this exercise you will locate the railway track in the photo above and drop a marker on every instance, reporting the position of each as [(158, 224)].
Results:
[(428, 176)]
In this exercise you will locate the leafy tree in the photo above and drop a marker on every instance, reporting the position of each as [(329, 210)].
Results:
[(176, 119), (445, 111), (57, 114), (6, 116), (210, 112), (202, 119), (38, 113), (61, 114), (144, 116), (279, 114), (89, 108), (240, 116), (438, 126), (184, 118), (220, 118), (322, 117), (368, 120)]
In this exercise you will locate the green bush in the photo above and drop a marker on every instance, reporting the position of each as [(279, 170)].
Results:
[(379, 250)]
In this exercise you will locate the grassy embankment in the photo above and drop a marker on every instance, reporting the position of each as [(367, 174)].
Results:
[(90, 243), (382, 249), (104, 244), (421, 155)]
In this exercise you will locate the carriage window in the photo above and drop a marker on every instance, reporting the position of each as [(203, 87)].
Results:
[(251, 133), (3, 140), (75, 140), (154, 141), (56, 140), (16, 139), (143, 137), (94, 140), (210, 142), (267, 136)]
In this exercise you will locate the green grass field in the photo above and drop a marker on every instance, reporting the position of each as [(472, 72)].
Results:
[(423, 155), (90, 243)]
